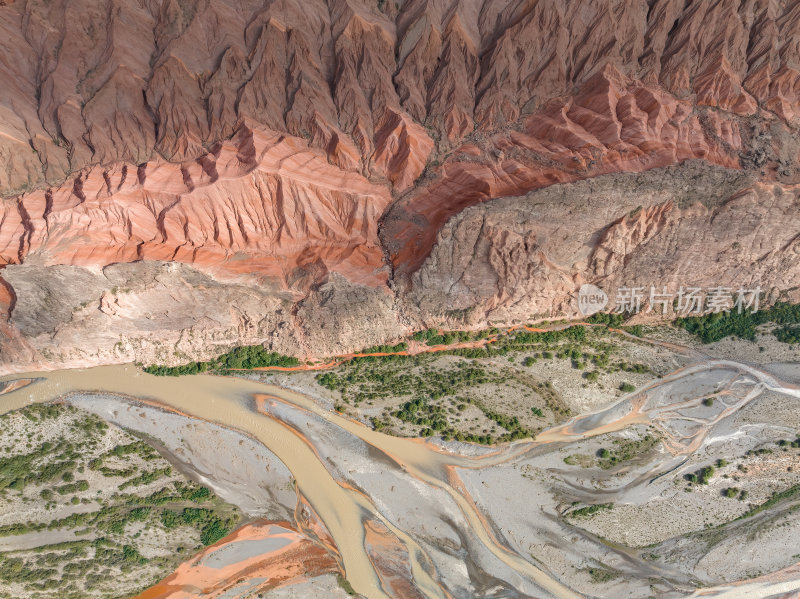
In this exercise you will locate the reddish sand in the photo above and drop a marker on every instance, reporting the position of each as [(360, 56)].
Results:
[(209, 573)]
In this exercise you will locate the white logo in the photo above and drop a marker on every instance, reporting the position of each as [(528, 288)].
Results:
[(591, 299)]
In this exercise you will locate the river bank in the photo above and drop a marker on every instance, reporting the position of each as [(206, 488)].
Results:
[(449, 520)]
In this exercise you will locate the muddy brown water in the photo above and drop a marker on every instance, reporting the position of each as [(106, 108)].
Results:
[(224, 400), (238, 404)]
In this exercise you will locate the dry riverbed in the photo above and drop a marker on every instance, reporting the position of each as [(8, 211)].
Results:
[(624, 492), (90, 510)]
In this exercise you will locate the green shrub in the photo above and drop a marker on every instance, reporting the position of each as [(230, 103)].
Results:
[(245, 357), (130, 554), (589, 510), (635, 330), (705, 474), (716, 326), (788, 334), (213, 531), (170, 519)]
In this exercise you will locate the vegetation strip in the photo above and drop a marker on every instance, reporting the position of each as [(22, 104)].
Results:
[(716, 326), (67, 474)]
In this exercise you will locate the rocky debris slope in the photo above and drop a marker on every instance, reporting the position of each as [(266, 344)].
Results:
[(319, 151), (158, 312), (374, 84)]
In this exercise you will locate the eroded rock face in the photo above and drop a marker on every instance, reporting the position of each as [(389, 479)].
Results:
[(323, 153), (691, 226), (87, 85), (159, 312), (262, 204), (614, 124)]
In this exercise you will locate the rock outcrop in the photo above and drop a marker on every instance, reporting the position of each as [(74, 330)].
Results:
[(323, 154), (691, 226), (261, 204), (91, 84), (614, 124)]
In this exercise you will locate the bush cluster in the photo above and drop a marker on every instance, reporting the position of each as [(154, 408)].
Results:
[(716, 326), (245, 357)]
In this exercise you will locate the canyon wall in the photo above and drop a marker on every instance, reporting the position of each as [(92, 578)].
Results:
[(180, 177)]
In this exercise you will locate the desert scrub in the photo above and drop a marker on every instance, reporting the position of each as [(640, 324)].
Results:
[(624, 450), (146, 478), (788, 494), (788, 334), (384, 349), (212, 527), (601, 574), (419, 386), (589, 510), (77, 456), (635, 330), (433, 420), (345, 584), (433, 337), (579, 459), (374, 377), (430, 395), (614, 319)]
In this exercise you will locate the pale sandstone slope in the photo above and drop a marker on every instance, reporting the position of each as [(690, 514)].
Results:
[(518, 257)]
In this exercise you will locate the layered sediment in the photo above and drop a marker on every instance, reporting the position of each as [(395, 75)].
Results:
[(333, 158)]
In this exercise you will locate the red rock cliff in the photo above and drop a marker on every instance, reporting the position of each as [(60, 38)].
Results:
[(299, 145)]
